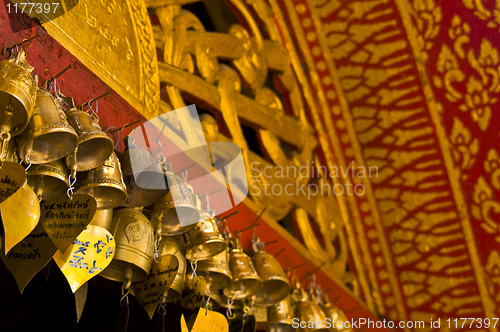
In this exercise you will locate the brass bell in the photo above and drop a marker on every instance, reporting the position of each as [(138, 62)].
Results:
[(48, 136), (176, 208), (309, 311), (134, 246), (214, 300), (204, 240), (169, 246), (216, 270), (246, 282), (280, 315), (104, 183), (275, 283), (103, 218), (94, 146), (337, 315), (48, 180), (17, 94), (147, 172)]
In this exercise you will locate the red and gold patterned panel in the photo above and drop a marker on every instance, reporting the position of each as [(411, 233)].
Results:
[(412, 88)]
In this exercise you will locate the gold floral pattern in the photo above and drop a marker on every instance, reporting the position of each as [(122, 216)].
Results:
[(465, 148)]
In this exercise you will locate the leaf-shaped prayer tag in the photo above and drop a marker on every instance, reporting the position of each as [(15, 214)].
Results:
[(65, 218), (90, 253), (206, 321), (29, 256), (20, 215), (161, 276), (12, 177)]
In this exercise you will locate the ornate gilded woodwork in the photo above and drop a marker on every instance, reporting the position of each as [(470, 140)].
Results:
[(121, 52)]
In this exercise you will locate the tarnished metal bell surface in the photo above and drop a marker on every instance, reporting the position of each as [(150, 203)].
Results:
[(94, 146), (246, 282), (48, 136), (216, 270), (281, 313), (178, 203), (275, 283), (48, 180), (150, 174), (306, 310), (134, 246), (17, 94), (169, 246), (104, 183), (204, 240), (336, 315)]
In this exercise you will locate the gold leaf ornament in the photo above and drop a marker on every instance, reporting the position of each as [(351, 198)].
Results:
[(90, 253), (29, 256), (20, 215), (206, 321), (65, 218), (12, 177), (150, 292)]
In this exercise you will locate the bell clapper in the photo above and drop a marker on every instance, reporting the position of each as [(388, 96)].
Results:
[(39, 187), (5, 137)]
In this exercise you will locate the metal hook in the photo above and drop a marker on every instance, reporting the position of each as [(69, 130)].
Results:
[(279, 252), (126, 125), (117, 135), (313, 272), (58, 75), (92, 100), (20, 44), (71, 183)]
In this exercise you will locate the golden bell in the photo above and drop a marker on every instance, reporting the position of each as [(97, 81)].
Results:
[(48, 136), (17, 94), (216, 270), (104, 183), (176, 207), (94, 146), (336, 315), (134, 246), (281, 313), (169, 246), (246, 282), (306, 310), (204, 240), (142, 193), (275, 283), (48, 180), (103, 218)]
